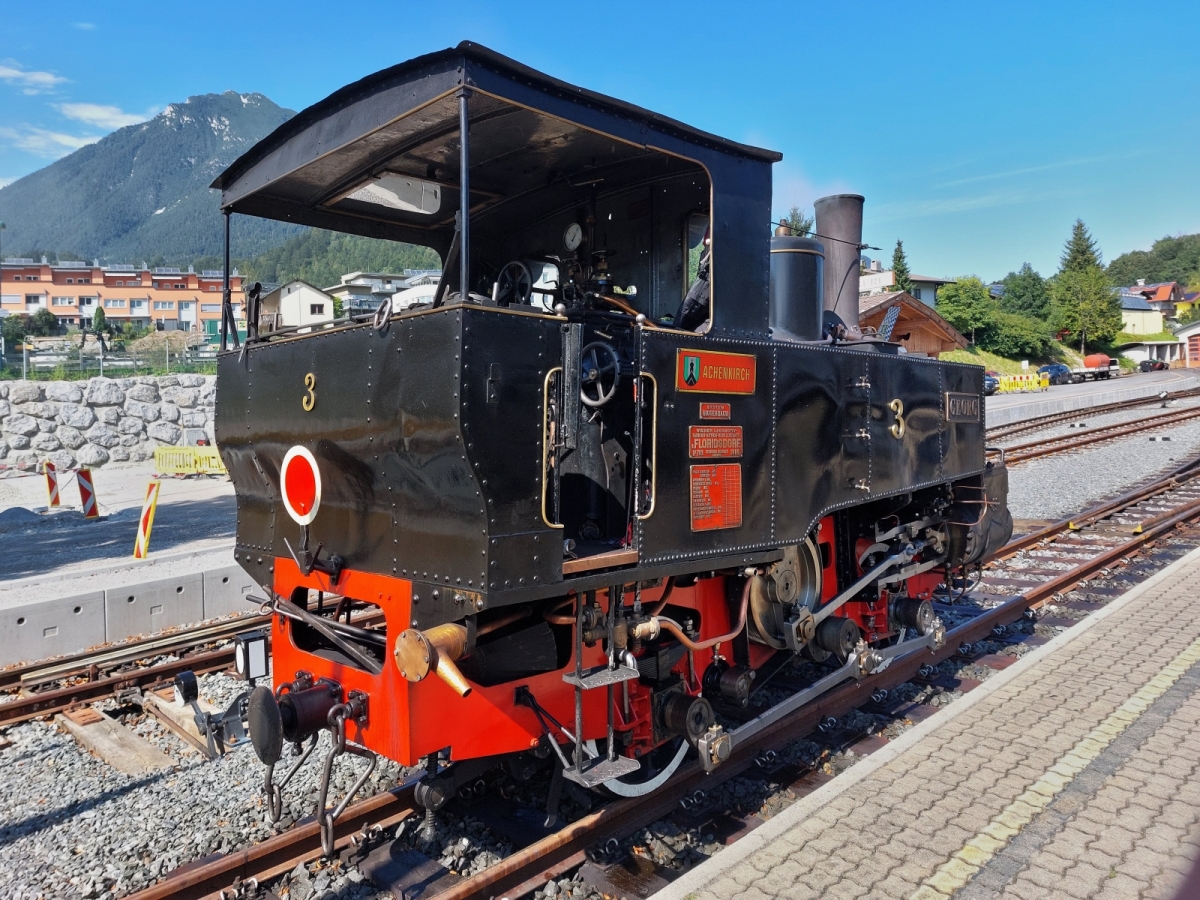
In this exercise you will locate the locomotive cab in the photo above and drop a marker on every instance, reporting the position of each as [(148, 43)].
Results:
[(556, 513)]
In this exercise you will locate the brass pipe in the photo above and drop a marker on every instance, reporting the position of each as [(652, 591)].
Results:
[(435, 650)]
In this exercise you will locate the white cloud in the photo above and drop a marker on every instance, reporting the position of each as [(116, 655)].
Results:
[(110, 117), (85, 26), (30, 82), (43, 142), (5, 182)]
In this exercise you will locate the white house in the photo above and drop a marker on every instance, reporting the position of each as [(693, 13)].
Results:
[(294, 304), (877, 280), (362, 292)]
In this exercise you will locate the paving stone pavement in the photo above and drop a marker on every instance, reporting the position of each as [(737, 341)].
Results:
[(1074, 774)]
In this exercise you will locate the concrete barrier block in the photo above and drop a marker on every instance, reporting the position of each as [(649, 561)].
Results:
[(45, 628), (225, 590), (153, 605)]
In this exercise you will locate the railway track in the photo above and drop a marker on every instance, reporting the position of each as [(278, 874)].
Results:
[(1049, 420), (1041, 574), (1016, 453)]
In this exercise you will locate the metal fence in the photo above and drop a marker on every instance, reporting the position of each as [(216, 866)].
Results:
[(70, 364)]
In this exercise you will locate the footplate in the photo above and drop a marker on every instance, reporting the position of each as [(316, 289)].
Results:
[(595, 772)]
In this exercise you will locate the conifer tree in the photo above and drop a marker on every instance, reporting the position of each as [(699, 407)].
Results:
[(1080, 252), (903, 278)]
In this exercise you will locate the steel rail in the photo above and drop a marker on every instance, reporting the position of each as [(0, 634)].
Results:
[(1063, 443), (46, 703), (1179, 475), (82, 663), (1051, 419)]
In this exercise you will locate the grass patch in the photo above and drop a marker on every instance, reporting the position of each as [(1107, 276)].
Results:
[(1127, 338), (990, 361)]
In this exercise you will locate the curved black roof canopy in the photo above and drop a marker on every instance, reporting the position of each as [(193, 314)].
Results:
[(380, 158)]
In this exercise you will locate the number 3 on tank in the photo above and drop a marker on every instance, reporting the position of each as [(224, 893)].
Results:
[(897, 429), (310, 398)]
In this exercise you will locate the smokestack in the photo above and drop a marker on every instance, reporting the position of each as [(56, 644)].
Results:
[(839, 228)]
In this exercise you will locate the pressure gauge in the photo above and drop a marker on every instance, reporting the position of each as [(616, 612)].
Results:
[(573, 236)]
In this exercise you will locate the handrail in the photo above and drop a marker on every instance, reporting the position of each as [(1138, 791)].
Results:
[(653, 452), (546, 443)]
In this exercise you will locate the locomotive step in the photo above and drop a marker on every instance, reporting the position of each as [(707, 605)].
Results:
[(601, 676), (597, 771)]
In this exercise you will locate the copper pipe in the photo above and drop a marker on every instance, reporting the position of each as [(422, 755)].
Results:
[(676, 629), (495, 625), (666, 595), (552, 616)]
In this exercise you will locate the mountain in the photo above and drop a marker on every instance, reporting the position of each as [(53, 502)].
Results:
[(141, 193)]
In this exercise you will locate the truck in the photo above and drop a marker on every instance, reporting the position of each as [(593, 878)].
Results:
[(1096, 366)]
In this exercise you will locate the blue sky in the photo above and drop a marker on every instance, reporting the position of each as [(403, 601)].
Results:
[(978, 132)]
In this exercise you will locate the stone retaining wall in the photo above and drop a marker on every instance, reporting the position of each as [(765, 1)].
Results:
[(90, 423)]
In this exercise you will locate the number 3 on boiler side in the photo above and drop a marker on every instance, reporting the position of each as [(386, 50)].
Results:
[(310, 398), (898, 427)]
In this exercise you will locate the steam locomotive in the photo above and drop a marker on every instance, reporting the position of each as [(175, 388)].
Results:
[(633, 457)]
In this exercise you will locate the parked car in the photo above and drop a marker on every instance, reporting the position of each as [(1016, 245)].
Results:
[(1153, 365), (991, 383), (1057, 373)]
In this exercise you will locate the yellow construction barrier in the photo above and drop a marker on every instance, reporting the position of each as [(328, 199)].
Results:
[(1030, 382), (188, 461)]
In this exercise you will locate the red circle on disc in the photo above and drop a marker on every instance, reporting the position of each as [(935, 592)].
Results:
[(300, 485)]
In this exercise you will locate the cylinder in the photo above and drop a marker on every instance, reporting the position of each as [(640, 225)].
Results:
[(797, 299), (839, 223)]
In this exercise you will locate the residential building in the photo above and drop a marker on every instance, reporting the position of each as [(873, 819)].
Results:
[(362, 292), (137, 295), (876, 280), (1188, 352), (1139, 317), (919, 329), (294, 304), (1166, 296)]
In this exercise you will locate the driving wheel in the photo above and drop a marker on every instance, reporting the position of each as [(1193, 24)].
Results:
[(600, 375)]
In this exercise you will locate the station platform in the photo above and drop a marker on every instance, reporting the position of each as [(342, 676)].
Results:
[(1074, 773)]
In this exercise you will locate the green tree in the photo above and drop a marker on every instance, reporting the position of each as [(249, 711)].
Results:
[(13, 329), (1016, 336), (1169, 259), (43, 323), (1025, 293), (903, 278), (1084, 304), (1080, 252), (799, 222), (99, 320), (967, 305)]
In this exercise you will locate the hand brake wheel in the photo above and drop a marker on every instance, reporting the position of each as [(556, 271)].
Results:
[(515, 283), (600, 375)]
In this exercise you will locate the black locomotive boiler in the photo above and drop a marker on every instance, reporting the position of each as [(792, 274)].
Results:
[(632, 458)]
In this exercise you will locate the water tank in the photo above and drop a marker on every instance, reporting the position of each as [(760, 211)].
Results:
[(797, 274)]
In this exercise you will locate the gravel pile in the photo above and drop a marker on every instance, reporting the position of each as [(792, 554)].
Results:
[(73, 827), (1057, 486)]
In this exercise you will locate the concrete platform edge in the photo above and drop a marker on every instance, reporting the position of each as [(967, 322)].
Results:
[(709, 871), (1042, 405)]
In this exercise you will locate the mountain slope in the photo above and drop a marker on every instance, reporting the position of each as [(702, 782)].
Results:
[(141, 193)]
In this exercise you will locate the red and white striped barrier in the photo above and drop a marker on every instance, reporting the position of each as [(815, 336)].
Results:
[(87, 494), (51, 485), (141, 545)]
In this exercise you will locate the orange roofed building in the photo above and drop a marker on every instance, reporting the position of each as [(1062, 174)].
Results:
[(919, 329), (141, 296)]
